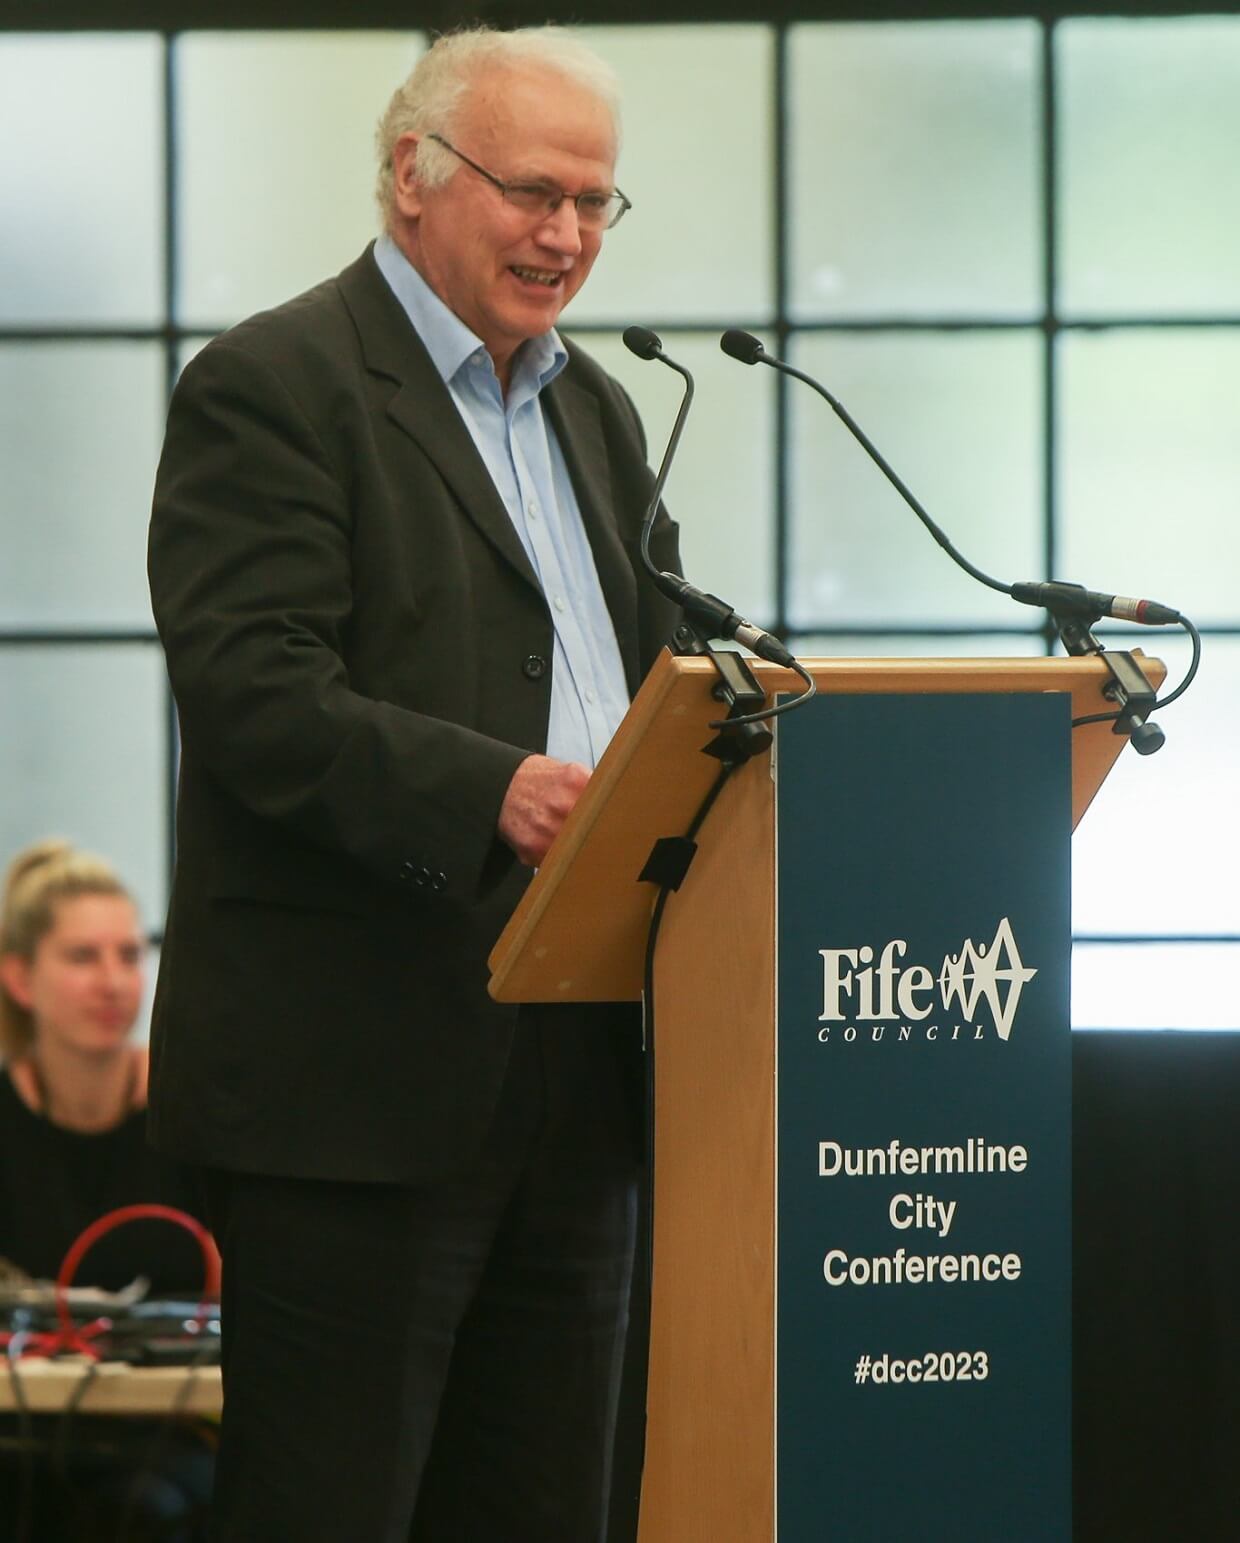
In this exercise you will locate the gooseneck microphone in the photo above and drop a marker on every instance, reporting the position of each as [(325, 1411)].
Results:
[(1062, 600), (1075, 600), (716, 617), (649, 345), (749, 350)]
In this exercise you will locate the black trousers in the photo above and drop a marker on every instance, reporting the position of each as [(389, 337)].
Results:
[(436, 1364)]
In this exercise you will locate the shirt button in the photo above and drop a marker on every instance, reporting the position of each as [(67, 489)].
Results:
[(532, 508), (590, 696), (534, 666), (559, 602)]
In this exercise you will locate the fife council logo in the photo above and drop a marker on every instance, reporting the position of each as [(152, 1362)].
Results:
[(868, 992)]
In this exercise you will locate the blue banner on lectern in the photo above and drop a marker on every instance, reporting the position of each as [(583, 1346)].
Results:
[(923, 1120)]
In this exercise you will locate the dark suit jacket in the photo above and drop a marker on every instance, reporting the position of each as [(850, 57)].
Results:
[(361, 657)]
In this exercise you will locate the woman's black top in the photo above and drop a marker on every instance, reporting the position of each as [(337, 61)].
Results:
[(55, 1182)]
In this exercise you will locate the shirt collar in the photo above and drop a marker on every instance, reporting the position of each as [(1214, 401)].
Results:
[(450, 343)]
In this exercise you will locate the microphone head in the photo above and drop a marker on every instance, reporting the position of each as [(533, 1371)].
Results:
[(741, 345), (642, 342)]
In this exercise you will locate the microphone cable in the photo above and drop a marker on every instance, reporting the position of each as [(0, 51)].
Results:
[(666, 888)]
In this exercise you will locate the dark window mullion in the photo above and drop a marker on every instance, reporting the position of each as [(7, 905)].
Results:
[(783, 330), (172, 349), (1050, 321)]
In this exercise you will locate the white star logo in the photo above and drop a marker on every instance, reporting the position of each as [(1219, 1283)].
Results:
[(981, 973)]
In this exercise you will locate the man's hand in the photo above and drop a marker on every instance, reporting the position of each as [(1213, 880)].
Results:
[(537, 803)]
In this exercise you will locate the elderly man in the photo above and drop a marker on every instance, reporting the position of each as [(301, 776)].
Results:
[(393, 563)]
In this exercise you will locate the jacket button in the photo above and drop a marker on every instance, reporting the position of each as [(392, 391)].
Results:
[(439, 881), (534, 666), (422, 877), (406, 872)]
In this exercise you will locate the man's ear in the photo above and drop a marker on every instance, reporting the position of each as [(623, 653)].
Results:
[(406, 186), (15, 978)]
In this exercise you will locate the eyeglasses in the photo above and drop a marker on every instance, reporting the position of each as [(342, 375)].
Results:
[(595, 211)]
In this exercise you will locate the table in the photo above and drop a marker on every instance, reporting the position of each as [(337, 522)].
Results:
[(114, 1388)]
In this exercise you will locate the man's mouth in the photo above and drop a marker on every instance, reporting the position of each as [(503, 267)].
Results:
[(547, 277)]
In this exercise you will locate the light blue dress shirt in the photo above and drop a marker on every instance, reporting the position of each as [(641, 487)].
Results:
[(589, 695)]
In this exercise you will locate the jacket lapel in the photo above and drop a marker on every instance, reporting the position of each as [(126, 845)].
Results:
[(423, 407), (574, 413)]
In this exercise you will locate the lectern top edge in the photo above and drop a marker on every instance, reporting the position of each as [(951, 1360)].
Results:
[(578, 933)]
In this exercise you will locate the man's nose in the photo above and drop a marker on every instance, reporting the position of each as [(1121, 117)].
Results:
[(561, 229)]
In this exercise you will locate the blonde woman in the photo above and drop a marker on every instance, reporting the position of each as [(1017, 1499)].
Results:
[(73, 1084), (72, 1148)]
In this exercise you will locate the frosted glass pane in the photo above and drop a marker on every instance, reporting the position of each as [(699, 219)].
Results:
[(958, 416), (277, 165), (975, 645), (80, 428), (1159, 849), (915, 169), (1150, 467), (1155, 986), (81, 179), (1149, 213), (83, 756), (720, 489), (696, 161)]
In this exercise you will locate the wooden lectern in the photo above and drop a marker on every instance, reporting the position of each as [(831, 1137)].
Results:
[(580, 935)]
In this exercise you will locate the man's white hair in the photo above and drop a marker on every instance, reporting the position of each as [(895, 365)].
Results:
[(430, 100)]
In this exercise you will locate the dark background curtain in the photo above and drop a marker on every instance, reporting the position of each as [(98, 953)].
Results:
[(1157, 1260)]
